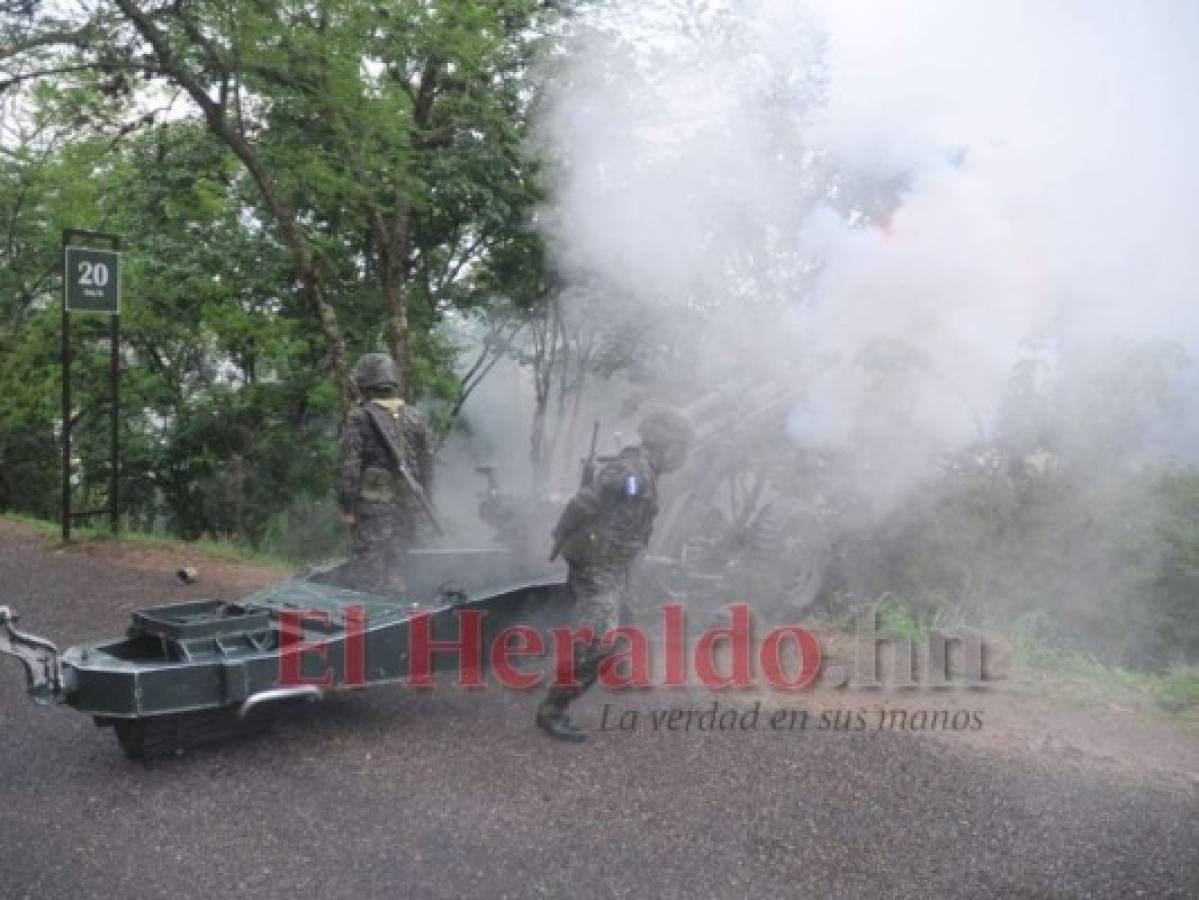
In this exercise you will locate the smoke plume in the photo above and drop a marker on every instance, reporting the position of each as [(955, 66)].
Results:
[(831, 192)]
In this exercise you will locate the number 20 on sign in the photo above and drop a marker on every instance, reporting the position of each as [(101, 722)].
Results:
[(93, 280)]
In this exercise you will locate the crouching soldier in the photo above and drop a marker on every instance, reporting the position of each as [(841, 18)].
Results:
[(377, 500), (602, 530)]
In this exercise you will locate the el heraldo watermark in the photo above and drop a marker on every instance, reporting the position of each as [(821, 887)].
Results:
[(739, 653)]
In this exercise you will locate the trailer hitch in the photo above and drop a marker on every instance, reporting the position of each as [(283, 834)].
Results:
[(39, 657)]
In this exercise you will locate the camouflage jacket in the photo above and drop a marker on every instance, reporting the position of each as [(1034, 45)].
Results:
[(366, 473), (610, 521)]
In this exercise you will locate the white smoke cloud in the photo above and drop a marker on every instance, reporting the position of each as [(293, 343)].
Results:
[(1081, 125), (1043, 155)]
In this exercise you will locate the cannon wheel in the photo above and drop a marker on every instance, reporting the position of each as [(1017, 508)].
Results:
[(789, 547), (155, 737), (776, 549)]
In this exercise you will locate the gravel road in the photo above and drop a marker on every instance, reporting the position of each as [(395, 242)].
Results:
[(397, 793)]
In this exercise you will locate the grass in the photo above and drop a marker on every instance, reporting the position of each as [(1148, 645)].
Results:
[(1175, 691), (41, 526), (223, 550), (1178, 689), (899, 616), (895, 617)]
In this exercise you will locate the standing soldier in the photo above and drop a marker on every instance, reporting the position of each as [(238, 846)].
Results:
[(600, 533), (378, 499)]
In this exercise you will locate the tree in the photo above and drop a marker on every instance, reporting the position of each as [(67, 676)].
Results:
[(384, 140)]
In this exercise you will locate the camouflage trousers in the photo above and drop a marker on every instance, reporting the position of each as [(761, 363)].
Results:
[(600, 592), (379, 543)]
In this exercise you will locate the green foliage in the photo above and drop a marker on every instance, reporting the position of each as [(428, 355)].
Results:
[(913, 617), (388, 140), (1110, 571), (217, 549), (1073, 527), (896, 617), (308, 531), (1178, 690), (1171, 583)]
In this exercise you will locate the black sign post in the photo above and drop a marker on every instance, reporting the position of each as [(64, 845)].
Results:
[(91, 282)]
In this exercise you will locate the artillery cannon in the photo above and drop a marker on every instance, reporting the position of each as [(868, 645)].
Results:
[(748, 518), (190, 673)]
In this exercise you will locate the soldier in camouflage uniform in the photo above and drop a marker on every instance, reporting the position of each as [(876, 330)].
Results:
[(376, 501), (602, 530)]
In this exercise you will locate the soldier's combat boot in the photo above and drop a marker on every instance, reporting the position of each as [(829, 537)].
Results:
[(553, 720)]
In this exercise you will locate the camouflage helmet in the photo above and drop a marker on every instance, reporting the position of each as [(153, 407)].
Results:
[(662, 425), (375, 369)]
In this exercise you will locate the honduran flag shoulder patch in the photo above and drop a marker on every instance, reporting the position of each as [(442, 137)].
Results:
[(634, 486)]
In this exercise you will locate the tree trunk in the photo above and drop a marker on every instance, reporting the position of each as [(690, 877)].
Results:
[(393, 239), (545, 358), (293, 234)]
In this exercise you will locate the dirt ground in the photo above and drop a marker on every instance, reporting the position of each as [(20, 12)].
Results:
[(213, 574), (1058, 719)]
